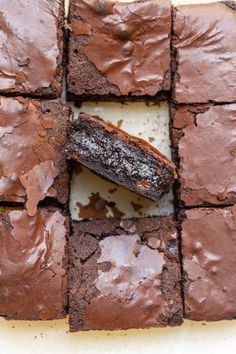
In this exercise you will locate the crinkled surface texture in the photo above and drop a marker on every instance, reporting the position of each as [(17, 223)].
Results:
[(209, 246), (204, 42), (31, 46), (124, 274), (127, 42), (33, 282), (207, 155), (32, 137)]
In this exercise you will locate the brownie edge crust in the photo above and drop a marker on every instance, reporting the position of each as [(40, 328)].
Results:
[(128, 161)]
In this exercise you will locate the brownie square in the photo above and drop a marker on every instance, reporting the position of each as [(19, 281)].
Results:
[(209, 262), (32, 159), (33, 261), (204, 52), (31, 47), (119, 49), (205, 142), (124, 274), (126, 160)]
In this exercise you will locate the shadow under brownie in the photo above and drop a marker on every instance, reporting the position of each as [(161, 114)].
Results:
[(124, 274), (119, 49)]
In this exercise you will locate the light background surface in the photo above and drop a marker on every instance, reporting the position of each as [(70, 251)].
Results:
[(53, 337)]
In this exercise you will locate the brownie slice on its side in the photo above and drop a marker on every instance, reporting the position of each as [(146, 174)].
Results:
[(31, 47), (33, 262), (119, 49), (123, 159), (209, 262), (205, 148), (124, 274), (204, 52), (33, 163)]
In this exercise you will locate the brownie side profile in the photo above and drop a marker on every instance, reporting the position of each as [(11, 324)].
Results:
[(119, 49), (204, 37), (31, 47), (32, 139), (33, 262), (124, 274), (205, 151), (128, 161), (209, 247)]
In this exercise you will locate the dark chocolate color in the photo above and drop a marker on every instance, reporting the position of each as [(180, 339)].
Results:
[(125, 160), (205, 142), (209, 262), (33, 260), (204, 46), (32, 138), (31, 47), (124, 274), (119, 49)]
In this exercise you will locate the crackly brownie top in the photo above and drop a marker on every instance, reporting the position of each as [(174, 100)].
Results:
[(32, 135), (32, 260), (130, 274), (207, 153), (204, 37), (29, 48), (128, 42), (209, 247)]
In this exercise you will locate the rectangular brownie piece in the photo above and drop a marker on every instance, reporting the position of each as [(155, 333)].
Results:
[(205, 147), (31, 47), (119, 49), (124, 274), (33, 261), (32, 138), (128, 161), (204, 52), (209, 262)]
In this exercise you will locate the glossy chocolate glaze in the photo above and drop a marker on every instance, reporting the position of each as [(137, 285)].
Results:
[(31, 46), (207, 154), (33, 282), (209, 246), (32, 137), (129, 43), (124, 274), (204, 44)]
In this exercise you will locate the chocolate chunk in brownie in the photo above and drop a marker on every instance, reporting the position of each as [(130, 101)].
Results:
[(124, 274), (209, 262), (119, 49), (33, 261), (205, 52), (31, 47), (205, 141), (128, 161), (32, 159)]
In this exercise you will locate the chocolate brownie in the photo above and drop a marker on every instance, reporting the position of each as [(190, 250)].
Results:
[(123, 159), (209, 262), (119, 49), (33, 261), (124, 274), (31, 47), (205, 142), (32, 159), (205, 52)]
